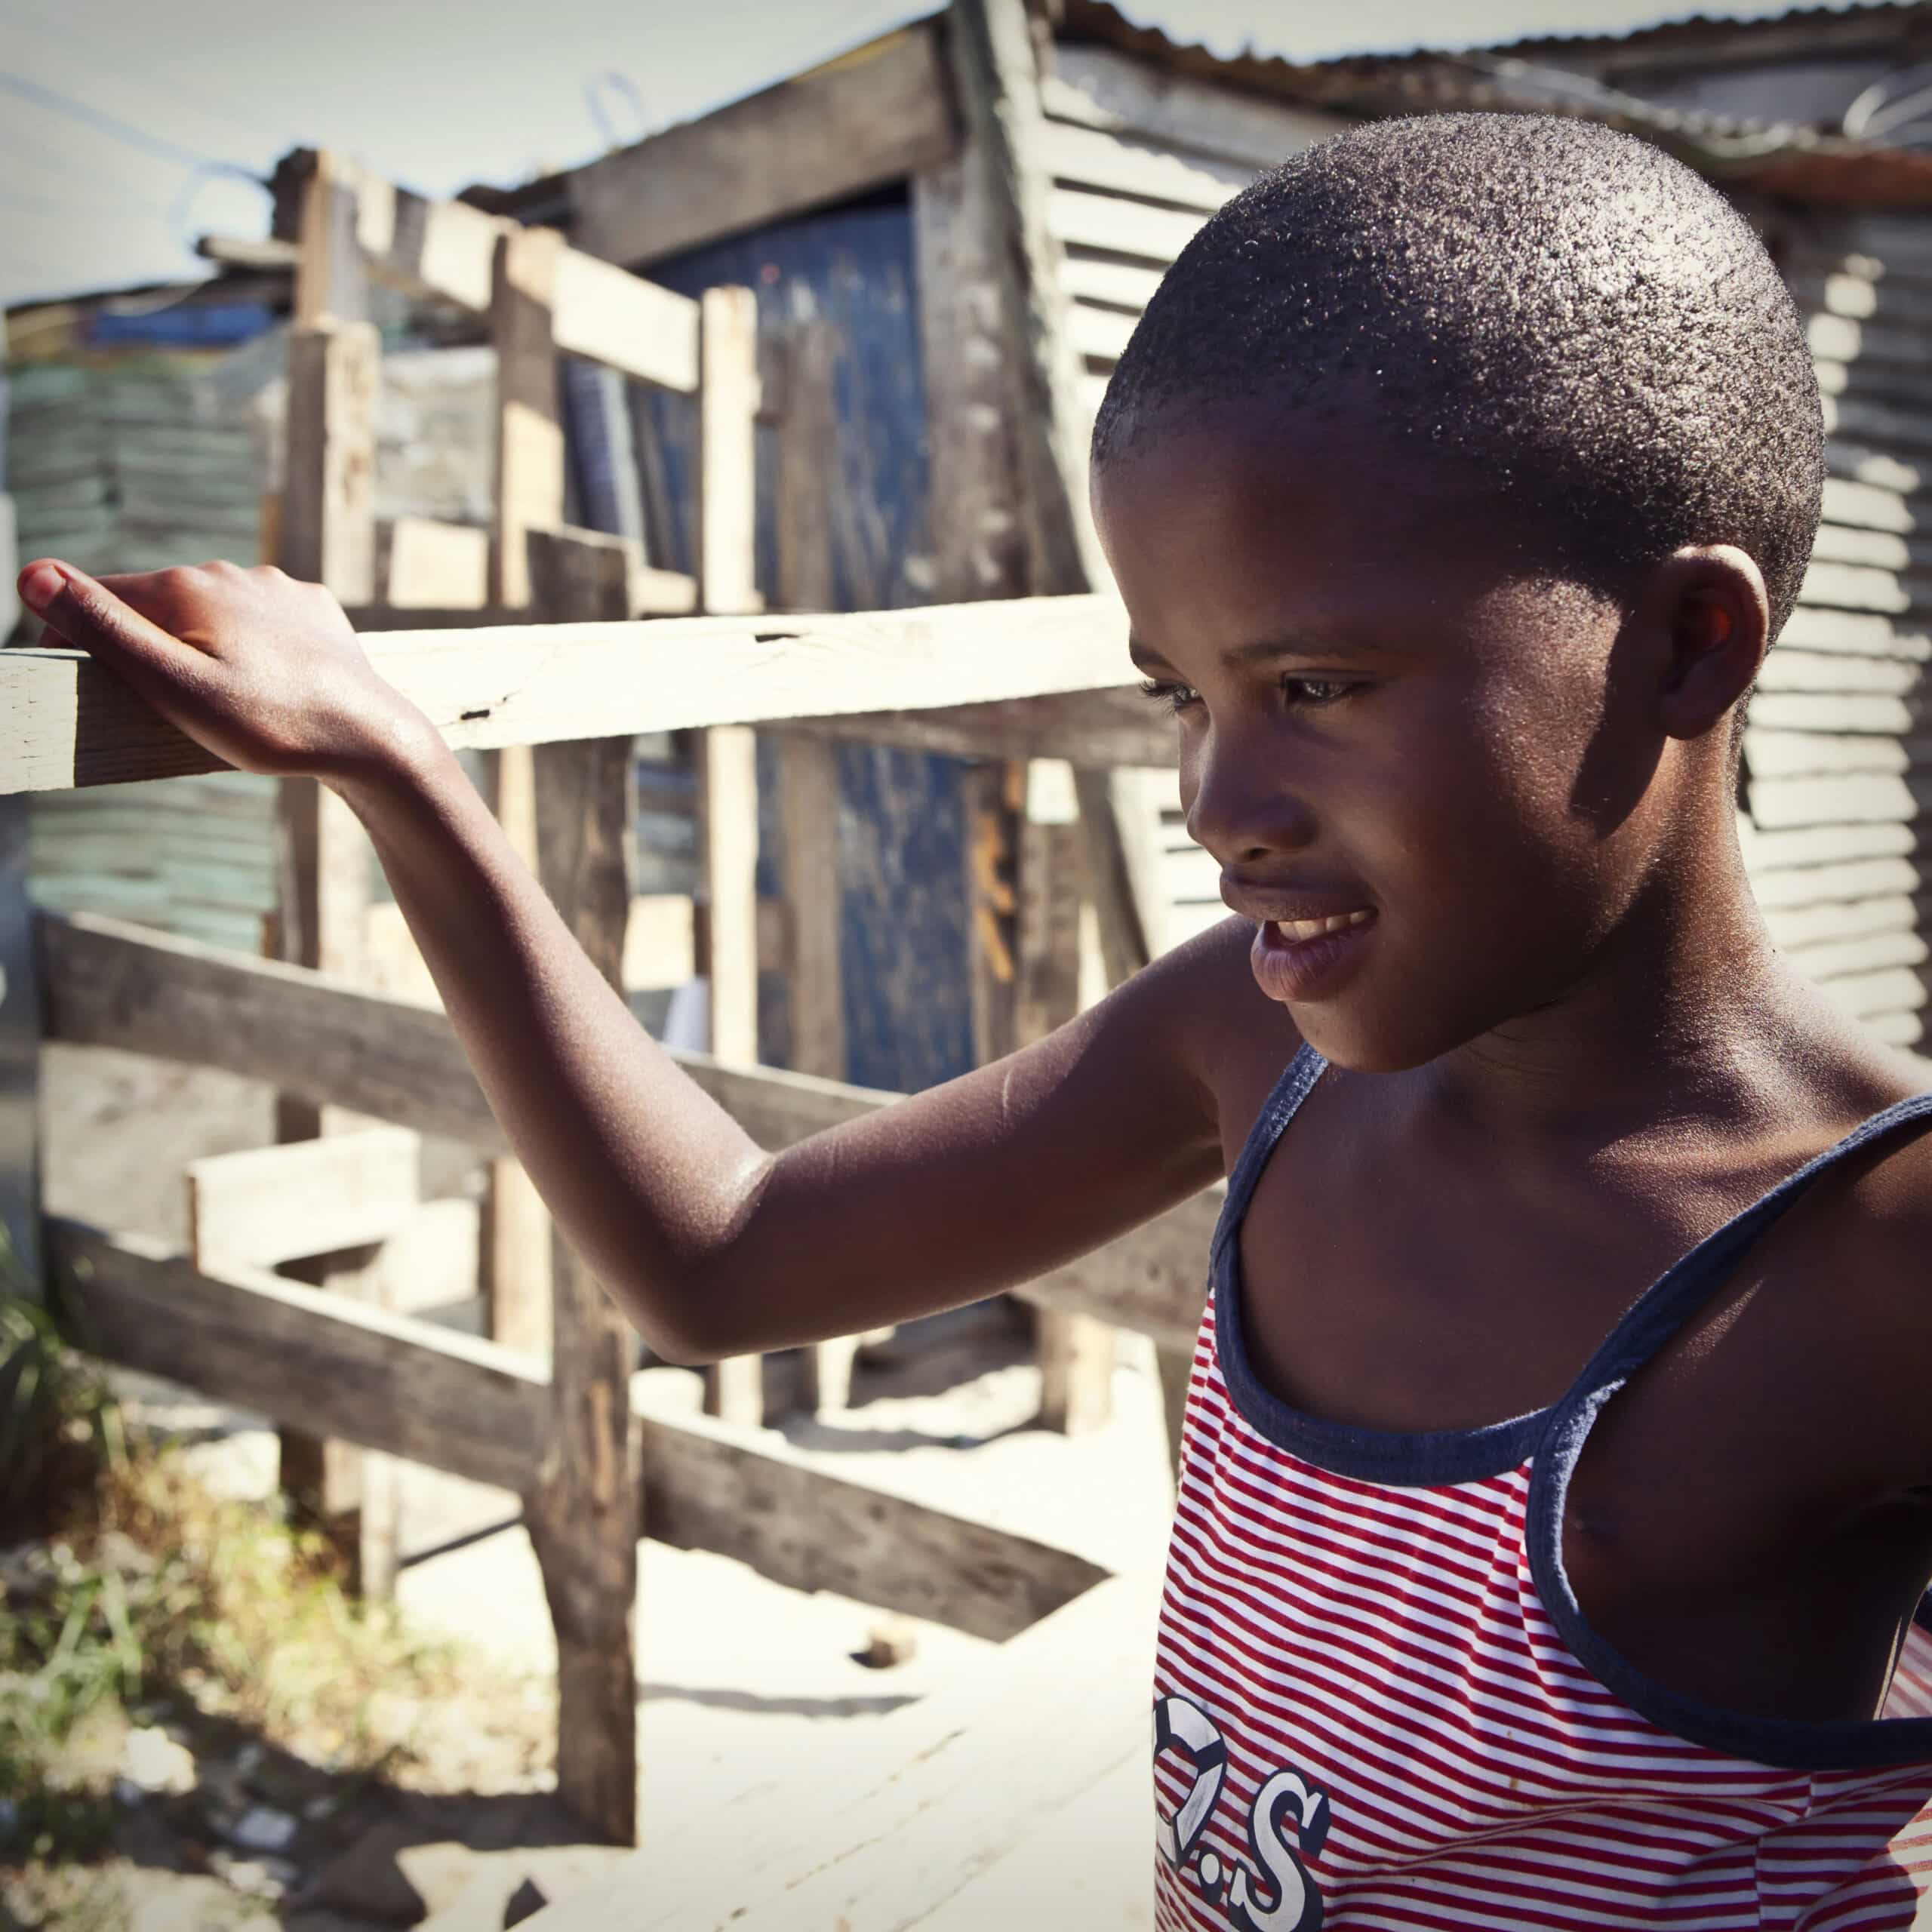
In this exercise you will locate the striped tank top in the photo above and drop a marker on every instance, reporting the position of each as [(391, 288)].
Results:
[(1378, 1704)]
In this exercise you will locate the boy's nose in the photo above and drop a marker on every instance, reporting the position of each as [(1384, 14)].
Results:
[(1243, 814)]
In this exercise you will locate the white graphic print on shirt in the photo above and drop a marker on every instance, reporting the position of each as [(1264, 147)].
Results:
[(1285, 1899)]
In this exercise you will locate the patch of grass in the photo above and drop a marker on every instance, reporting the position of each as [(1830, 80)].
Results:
[(129, 1593)]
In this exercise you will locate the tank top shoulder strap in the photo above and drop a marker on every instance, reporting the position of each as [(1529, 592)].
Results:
[(1676, 1295), (1296, 1083)]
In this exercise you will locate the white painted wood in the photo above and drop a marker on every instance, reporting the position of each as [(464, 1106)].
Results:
[(265, 1205), (625, 321), (1122, 164), (1076, 215), (71, 722), (1100, 87)]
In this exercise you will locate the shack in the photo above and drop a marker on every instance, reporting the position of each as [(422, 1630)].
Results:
[(1022, 176)]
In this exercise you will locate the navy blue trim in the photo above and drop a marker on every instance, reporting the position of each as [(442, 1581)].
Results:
[(1842, 1744), (1416, 1458)]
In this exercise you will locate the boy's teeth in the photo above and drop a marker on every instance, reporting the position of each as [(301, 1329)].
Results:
[(1302, 929)]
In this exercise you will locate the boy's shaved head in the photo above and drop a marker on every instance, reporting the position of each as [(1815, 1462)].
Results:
[(1585, 325)]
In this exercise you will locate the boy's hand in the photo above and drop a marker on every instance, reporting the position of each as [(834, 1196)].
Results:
[(263, 671)]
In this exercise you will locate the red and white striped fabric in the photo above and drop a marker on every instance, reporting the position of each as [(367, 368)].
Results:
[(1364, 1716), (1377, 1703)]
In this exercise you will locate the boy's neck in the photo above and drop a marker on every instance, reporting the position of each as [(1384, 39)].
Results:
[(1683, 1014)]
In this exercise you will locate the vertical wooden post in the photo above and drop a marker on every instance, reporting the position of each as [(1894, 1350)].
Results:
[(728, 767), (327, 529), (20, 1060), (584, 1510), (1076, 1352), (1000, 523), (808, 766), (516, 1240)]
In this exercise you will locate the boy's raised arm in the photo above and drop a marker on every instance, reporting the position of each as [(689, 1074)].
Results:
[(711, 1246)]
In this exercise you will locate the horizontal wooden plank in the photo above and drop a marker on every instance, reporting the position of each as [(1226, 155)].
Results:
[(430, 1394), (1889, 425), (1125, 285), (624, 321), (1767, 852), (1092, 86), (1873, 550), (1820, 711), (878, 114), (347, 1368), (1871, 507), (75, 724), (1855, 586), (262, 1206), (1101, 335), (1845, 339), (1893, 989), (1076, 215), (709, 1486), (1119, 164), (1897, 1029), (1826, 960), (1769, 754), (1091, 730), (1861, 462), (1838, 884), (1851, 919), (108, 984), (1858, 798), (1788, 668)]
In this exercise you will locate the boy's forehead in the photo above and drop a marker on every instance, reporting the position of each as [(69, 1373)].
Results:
[(1272, 482), (1246, 527)]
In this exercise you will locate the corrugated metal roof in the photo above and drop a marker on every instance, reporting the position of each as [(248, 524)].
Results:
[(1317, 37), (1799, 163)]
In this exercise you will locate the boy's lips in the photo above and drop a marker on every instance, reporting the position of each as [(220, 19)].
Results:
[(1300, 961)]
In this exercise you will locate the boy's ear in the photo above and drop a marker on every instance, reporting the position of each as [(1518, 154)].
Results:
[(1713, 617)]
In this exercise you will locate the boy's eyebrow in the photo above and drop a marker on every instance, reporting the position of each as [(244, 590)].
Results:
[(1264, 648)]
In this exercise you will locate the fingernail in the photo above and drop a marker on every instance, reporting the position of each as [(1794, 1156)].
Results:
[(40, 585)]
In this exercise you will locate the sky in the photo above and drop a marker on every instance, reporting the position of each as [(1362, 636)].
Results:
[(128, 128)]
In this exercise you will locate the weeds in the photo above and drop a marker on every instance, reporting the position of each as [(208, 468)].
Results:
[(142, 1599)]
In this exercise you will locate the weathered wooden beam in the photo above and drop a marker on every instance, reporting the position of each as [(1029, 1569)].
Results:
[(75, 724), (727, 756), (996, 72), (456, 1402), (587, 1489), (265, 1205), (20, 1058), (876, 115), (113, 985)]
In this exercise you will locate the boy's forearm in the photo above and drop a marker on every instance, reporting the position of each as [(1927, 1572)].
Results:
[(648, 1178)]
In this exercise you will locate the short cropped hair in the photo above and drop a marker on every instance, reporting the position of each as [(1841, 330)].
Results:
[(1584, 322)]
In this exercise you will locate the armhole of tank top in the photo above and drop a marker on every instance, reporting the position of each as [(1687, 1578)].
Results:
[(1671, 1301)]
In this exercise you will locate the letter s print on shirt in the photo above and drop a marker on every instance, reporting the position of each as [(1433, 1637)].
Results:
[(1285, 1899)]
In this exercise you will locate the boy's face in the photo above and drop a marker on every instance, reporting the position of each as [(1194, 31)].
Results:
[(1385, 719)]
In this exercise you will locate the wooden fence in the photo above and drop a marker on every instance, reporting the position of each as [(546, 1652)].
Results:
[(349, 1377), (592, 1462)]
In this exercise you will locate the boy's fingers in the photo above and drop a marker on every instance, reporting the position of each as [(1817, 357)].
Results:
[(72, 604)]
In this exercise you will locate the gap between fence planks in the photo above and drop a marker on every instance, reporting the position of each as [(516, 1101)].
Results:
[(76, 724), (115, 985), (478, 1410)]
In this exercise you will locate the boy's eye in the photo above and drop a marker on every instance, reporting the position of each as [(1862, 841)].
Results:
[(1313, 692), (1176, 698)]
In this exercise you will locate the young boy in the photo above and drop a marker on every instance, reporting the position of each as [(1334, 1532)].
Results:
[(1557, 1493)]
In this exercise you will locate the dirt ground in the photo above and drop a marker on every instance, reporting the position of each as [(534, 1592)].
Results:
[(742, 1682)]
